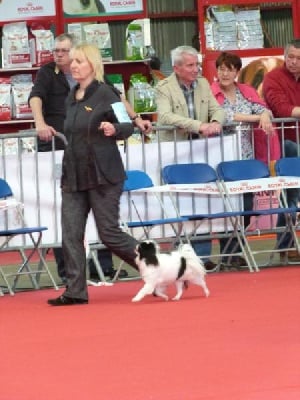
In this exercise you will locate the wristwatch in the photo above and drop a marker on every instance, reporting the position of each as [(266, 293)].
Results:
[(135, 117)]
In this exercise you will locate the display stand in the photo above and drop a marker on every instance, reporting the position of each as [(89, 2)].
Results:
[(57, 23), (209, 55)]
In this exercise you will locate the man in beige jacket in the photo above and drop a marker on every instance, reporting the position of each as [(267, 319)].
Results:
[(184, 100)]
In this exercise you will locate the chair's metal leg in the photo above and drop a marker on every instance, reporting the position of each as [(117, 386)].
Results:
[(244, 245), (3, 245), (25, 267), (45, 265), (40, 264), (118, 271), (289, 228), (9, 288)]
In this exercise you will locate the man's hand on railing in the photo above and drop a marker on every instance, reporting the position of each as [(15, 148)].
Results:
[(210, 128), (45, 132)]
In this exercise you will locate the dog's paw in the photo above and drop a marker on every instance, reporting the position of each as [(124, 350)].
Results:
[(207, 292), (163, 295), (176, 298), (135, 299)]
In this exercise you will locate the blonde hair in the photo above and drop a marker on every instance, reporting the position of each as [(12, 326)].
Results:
[(93, 55)]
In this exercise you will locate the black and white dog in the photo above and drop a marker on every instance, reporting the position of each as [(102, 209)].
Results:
[(83, 7), (159, 270)]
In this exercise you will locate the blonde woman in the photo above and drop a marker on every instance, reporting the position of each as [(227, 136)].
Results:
[(93, 172)]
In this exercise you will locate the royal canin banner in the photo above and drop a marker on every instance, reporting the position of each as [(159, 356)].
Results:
[(11, 10), (77, 8)]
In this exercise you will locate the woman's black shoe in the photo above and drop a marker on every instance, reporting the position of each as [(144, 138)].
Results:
[(66, 301)]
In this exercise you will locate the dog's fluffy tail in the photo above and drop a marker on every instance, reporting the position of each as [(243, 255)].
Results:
[(187, 251)]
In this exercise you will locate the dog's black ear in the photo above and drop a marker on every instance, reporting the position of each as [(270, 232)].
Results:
[(147, 251), (152, 260)]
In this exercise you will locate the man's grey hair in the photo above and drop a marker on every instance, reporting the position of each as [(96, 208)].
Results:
[(178, 53), (293, 43), (66, 36)]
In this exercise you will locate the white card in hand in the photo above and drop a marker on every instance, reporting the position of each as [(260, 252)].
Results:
[(120, 112)]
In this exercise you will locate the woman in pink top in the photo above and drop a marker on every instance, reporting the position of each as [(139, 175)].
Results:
[(242, 104)]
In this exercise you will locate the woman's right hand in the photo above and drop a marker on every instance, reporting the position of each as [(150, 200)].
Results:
[(108, 128)]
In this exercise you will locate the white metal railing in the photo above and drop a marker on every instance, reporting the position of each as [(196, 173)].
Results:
[(35, 177)]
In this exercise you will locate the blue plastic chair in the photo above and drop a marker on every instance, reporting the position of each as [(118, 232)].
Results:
[(242, 170), (8, 234), (255, 170), (202, 173), (189, 173), (136, 184), (247, 170), (138, 180), (288, 166)]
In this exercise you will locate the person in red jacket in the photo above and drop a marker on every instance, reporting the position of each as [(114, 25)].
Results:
[(242, 104), (281, 90)]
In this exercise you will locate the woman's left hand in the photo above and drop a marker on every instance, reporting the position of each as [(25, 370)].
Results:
[(108, 128)]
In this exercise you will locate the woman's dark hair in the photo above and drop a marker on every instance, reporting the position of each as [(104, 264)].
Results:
[(230, 61)]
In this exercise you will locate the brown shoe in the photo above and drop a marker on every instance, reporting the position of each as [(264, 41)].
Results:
[(291, 255)]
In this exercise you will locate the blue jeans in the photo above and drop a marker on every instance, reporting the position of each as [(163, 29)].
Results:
[(292, 195)]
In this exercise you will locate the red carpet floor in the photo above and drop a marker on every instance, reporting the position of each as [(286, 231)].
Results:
[(241, 343)]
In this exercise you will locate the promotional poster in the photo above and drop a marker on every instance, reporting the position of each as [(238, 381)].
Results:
[(11, 10), (89, 8)]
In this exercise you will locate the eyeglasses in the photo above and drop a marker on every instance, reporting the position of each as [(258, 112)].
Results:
[(64, 51)]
